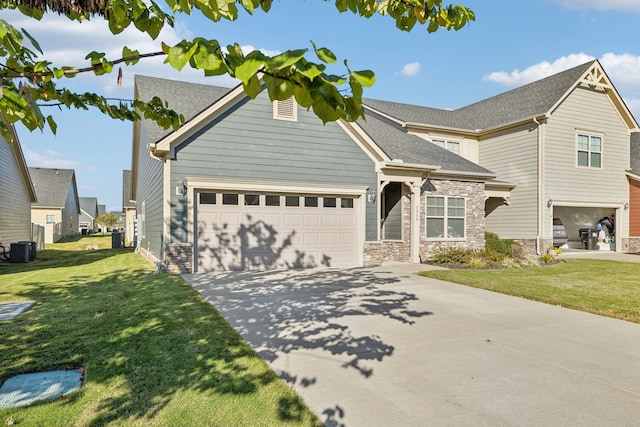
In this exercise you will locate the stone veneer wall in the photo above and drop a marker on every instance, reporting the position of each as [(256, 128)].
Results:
[(529, 245), (474, 194), (631, 244), (179, 258), (392, 250)]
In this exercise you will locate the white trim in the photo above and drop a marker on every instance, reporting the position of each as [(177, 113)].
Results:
[(364, 141), (166, 206), (273, 187)]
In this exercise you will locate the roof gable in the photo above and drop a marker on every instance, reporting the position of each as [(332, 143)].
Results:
[(89, 205), (536, 99), (52, 186)]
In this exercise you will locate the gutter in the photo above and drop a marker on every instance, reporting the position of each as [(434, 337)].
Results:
[(540, 182)]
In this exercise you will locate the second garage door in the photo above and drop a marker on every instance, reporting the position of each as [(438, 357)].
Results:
[(254, 231)]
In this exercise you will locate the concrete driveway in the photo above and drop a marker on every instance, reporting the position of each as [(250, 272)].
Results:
[(384, 347)]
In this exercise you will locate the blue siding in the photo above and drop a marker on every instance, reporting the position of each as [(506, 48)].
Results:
[(247, 143), (150, 192)]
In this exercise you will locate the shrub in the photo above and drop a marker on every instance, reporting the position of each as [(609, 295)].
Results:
[(505, 247), (477, 262), (558, 250), (453, 256), (531, 261), (547, 259), (510, 262), (492, 257)]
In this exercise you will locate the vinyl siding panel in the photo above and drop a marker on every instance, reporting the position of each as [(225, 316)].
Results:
[(592, 112), (247, 143), (149, 192), (513, 157), (634, 208), (15, 205)]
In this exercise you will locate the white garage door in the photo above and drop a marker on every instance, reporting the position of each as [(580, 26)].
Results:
[(253, 231)]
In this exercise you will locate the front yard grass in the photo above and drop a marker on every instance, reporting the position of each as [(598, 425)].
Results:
[(607, 288), (154, 353)]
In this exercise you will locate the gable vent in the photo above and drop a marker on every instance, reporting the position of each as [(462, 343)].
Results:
[(285, 110)]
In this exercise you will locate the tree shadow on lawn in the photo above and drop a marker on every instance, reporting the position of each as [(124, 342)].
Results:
[(56, 258), (150, 331), (279, 312)]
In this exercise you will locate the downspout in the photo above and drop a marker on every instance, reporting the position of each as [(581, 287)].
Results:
[(540, 183)]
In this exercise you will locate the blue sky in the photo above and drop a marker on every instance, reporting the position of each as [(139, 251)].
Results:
[(511, 43)]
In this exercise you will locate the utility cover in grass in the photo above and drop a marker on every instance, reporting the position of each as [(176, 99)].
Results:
[(9, 310), (25, 389)]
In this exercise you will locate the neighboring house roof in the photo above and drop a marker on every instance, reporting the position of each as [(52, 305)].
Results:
[(52, 186), (102, 209), (89, 206), (400, 145), (524, 103), (127, 202)]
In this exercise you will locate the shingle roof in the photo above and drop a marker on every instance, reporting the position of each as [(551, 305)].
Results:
[(185, 98), (126, 190), (531, 100), (398, 144), (89, 205), (51, 185)]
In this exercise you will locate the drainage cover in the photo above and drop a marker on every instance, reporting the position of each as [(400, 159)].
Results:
[(9, 310), (25, 389)]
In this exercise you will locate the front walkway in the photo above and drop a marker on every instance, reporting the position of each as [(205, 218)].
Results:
[(384, 347)]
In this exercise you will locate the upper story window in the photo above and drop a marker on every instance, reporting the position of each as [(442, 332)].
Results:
[(285, 110), (589, 151), (453, 146), (445, 217), (51, 219)]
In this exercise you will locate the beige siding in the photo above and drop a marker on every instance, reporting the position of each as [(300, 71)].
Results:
[(15, 205), (588, 111), (513, 157)]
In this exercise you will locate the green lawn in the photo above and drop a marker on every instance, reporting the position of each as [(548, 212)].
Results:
[(153, 351), (608, 288)]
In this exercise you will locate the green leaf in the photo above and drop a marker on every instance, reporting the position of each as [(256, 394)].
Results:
[(279, 89), (285, 59), (366, 77), (133, 54), (324, 54), (180, 54), (32, 40), (252, 87), (52, 124), (253, 62)]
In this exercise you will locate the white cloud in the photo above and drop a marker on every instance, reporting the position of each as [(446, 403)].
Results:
[(411, 69), (53, 159), (537, 71), (621, 5)]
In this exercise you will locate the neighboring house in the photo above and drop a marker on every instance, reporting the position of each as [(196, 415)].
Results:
[(88, 214), (563, 144), (128, 208), (102, 209), (634, 193), (58, 206), (17, 194), (250, 184)]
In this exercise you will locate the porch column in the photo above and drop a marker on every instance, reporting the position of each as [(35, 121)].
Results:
[(415, 222)]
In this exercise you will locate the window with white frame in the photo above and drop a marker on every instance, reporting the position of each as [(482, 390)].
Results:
[(445, 217), (453, 146), (51, 219), (589, 150)]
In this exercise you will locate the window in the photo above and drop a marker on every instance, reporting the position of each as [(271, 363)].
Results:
[(229, 199), (589, 150), (346, 203), (271, 200), (452, 146), (311, 202), (207, 198), (329, 202), (292, 201), (252, 200), (51, 219), (445, 217)]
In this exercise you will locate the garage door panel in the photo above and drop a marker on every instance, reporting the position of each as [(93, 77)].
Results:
[(238, 237)]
